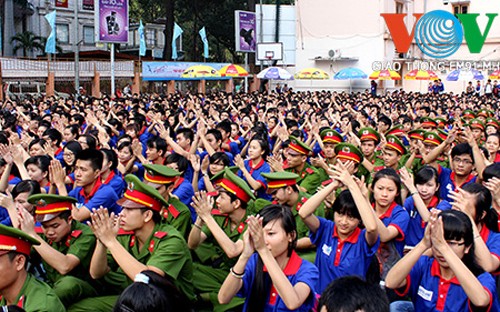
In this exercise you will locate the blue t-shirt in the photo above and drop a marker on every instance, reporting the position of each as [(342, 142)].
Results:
[(399, 218), (416, 226), (447, 182), (101, 195), (256, 173), (297, 270), (184, 191), (430, 292), (336, 258)]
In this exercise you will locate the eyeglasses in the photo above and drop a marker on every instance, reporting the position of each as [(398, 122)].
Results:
[(463, 161)]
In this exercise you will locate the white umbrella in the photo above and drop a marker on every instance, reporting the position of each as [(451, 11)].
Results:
[(275, 73)]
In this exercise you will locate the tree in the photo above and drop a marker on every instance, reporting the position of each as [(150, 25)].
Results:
[(28, 42), (43, 42)]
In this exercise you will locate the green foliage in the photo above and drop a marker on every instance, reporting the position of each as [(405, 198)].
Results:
[(28, 42)]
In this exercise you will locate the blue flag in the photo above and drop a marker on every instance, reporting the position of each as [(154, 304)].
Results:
[(142, 40), (203, 35), (177, 34), (50, 45)]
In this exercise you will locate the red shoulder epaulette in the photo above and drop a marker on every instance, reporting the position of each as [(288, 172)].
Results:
[(309, 170), (171, 209), (378, 168), (217, 212), (324, 183), (160, 234), (38, 230), (123, 232), (241, 227), (76, 233)]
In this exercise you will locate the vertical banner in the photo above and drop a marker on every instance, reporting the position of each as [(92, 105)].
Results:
[(177, 33), (112, 21), (50, 44), (245, 31), (62, 3), (203, 35), (142, 40), (88, 5)]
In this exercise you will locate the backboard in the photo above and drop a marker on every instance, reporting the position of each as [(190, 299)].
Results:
[(270, 51)]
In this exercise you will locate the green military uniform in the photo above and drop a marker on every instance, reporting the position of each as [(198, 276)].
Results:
[(368, 134), (34, 295), (211, 264), (37, 296), (309, 177), (175, 212), (165, 249), (80, 242)]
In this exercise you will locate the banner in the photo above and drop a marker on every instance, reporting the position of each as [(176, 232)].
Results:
[(50, 44), (156, 71), (61, 3), (142, 40), (112, 21), (88, 5), (203, 35), (177, 33), (245, 31)]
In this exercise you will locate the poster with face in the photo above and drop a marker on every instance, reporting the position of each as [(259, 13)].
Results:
[(113, 21), (245, 31)]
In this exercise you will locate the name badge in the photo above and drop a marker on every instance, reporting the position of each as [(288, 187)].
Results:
[(327, 250), (424, 293)]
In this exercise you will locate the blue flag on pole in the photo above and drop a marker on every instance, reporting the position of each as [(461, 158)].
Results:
[(50, 45), (142, 40), (203, 35), (177, 34)]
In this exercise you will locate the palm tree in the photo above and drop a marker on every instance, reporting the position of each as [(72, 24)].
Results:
[(27, 41)]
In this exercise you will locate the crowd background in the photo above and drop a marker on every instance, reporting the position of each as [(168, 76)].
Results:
[(253, 201)]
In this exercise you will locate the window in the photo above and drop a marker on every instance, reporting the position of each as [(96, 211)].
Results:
[(88, 35), (150, 37), (460, 8), (62, 33)]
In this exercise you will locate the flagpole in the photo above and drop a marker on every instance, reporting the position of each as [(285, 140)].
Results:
[(112, 70)]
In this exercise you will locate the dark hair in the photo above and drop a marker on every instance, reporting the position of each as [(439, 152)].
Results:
[(187, 133), (54, 135), (264, 145), (425, 174), (457, 226), (126, 144), (390, 174), (94, 156), (73, 129), (219, 157), (111, 157), (491, 171), (156, 215), (260, 287), (216, 133), (385, 119), (35, 141), (344, 205), (41, 161), (462, 149), (73, 146), (224, 125), (78, 118), (90, 139), (351, 294), (181, 161), (483, 199), (30, 186), (158, 294), (159, 143)]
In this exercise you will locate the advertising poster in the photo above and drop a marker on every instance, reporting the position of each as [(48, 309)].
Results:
[(61, 3), (245, 31), (112, 19), (88, 5)]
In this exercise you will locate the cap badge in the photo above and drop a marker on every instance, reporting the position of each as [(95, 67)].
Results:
[(130, 186), (346, 149), (431, 136), (391, 140), (41, 203)]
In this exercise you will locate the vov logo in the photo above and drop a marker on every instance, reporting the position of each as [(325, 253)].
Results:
[(439, 33)]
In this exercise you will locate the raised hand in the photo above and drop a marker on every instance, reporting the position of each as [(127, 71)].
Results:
[(195, 162), (26, 222), (203, 204), (104, 226), (256, 232), (238, 161), (57, 175)]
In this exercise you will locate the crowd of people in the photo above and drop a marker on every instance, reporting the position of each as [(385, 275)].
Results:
[(300, 201)]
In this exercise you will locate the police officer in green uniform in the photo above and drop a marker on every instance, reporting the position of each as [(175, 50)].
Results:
[(17, 286), (370, 139), (66, 246), (175, 213), (329, 139), (413, 159), (433, 140), (215, 237), (309, 179), (392, 153), (284, 189), (147, 244)]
